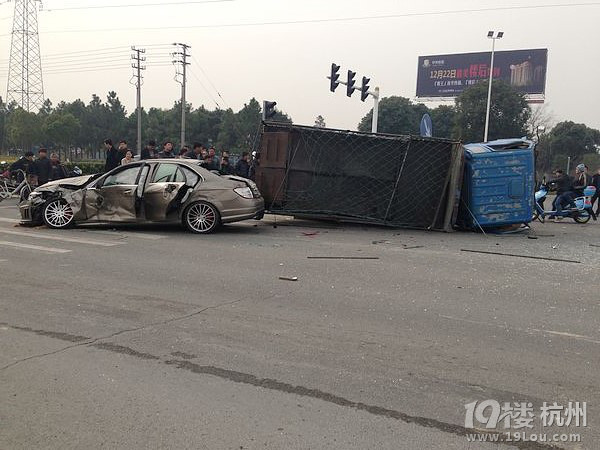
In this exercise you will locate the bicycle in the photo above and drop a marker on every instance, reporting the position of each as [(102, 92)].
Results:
[(11, 188)]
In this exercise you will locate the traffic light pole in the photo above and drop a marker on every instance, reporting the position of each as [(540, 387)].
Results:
[(350, 88), (375, 95)]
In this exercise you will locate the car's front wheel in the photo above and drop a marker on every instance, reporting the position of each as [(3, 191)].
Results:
[(57, 214), (201, 218)]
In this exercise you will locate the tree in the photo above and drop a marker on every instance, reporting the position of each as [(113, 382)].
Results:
[(509, 113), (397, 115), (443, 118), (320, 122), (23, 128), (61, 128)]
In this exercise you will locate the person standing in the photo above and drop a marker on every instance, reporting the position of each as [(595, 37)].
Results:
[(25, 164), (43, 167), (213, 154), (243, 167), (197, 150), (149, 151), (226, 168), (596, 184), (167, 151), (57, 170), (112, 156), (128, 158), (254, 166)]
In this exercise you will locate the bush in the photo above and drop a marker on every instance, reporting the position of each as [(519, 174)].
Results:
[(87, 167)]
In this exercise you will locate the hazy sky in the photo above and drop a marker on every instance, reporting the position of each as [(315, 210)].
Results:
[(288, 63)]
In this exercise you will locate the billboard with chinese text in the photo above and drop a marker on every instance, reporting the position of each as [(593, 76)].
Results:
[(449, 75)]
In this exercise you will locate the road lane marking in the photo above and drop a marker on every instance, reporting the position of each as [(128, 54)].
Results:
[(34, 247), (6, 219), (61, 238), (126, 234)]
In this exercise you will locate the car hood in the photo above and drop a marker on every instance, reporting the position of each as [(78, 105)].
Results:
[(73, 183)]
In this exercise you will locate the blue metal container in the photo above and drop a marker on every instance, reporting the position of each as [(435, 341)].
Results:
[(499, 181)]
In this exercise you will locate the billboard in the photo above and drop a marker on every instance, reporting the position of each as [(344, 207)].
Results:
[(449, 75)]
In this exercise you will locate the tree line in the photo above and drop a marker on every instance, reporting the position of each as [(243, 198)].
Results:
[(510, 117), (76, 124), (70, 125)]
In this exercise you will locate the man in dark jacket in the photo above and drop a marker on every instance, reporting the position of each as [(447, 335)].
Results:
[(167, 151), (57, 170), (112, 156), (243, 167), (43, 167), (149, 151), (26, 164), (564, 190), (226, 168)]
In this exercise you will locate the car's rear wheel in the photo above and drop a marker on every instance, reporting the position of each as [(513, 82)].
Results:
[(201, 218), (57, 214)]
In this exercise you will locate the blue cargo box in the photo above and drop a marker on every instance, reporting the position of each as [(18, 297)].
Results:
[(498, 187)]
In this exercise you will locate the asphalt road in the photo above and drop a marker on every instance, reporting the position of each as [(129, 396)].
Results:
[(151, 337)]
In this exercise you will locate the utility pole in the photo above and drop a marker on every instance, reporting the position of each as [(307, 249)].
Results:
[(25, 85), (137, 59), (181, 57)]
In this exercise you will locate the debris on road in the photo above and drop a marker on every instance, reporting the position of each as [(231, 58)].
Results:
[(520, 256), (343, 257), (289, 278)]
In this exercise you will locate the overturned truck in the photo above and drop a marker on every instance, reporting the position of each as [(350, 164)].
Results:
[(399, 181)]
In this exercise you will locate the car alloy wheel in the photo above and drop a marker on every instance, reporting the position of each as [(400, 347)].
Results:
[(58, 214), (202, 217)]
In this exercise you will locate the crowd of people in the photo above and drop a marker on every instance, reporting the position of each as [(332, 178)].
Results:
[(245, 166), (41, 169), (568, 188)]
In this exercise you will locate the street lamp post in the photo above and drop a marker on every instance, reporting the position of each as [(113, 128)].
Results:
[(493, 36)]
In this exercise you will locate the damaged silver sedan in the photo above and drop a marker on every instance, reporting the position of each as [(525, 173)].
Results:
[(147, 191)]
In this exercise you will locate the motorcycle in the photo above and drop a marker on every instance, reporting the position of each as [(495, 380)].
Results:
[(582, 213)]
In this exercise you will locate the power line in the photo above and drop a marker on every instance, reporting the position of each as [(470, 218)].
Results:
[(205, 89), (340, 19), (137, 5), (209, 80)]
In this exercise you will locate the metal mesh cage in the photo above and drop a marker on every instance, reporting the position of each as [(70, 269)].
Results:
[(401, 181)]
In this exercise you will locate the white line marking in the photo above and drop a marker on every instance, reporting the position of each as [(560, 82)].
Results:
[(126, 234), (10, 207), (6, 219), (35, 247), (61, 238)]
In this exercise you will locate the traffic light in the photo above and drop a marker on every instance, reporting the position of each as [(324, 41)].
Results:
[(351, 82), (364, 90), (333, 79), (268, 111)]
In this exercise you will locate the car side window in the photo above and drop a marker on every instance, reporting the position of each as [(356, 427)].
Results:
[(168, 173), (124, 177), (191, 177)]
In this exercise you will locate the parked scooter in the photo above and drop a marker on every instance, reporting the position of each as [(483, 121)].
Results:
[(581, 214)]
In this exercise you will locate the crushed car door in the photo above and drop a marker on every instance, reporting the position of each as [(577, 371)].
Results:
[(114, 199), (162, 193)]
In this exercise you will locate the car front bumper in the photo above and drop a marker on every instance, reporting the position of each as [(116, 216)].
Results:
[(31, 212)]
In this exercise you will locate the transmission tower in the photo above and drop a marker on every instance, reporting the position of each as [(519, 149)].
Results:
[(25, 85)]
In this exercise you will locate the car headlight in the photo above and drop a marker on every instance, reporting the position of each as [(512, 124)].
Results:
[(244, 192), (33, 195)]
